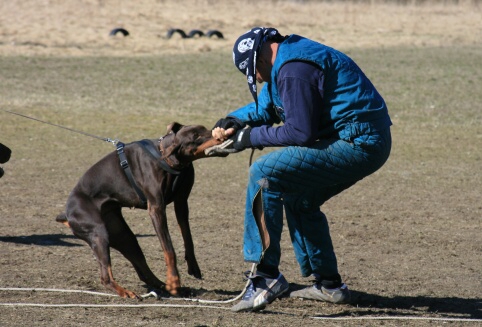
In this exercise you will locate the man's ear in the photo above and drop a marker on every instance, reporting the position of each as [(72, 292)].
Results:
[(174, 127)]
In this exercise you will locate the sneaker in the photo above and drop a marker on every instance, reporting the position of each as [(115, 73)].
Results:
[(260, 292), (318, 292)]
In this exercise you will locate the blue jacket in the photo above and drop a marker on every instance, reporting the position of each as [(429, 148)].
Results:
[(350, 106)]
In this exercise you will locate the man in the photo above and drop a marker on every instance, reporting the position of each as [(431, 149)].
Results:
[(335, 132)]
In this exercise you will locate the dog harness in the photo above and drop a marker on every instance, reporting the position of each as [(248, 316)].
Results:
[(125, 165), (147, 146)]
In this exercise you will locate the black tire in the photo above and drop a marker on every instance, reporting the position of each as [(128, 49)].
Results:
[(216, 33), (118, 30), (176, 30), (195, 33), (5, 153)]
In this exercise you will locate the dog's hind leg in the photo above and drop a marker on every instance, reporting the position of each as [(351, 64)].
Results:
[(181, 209), (62, 218), (86, 223), (123, 240)]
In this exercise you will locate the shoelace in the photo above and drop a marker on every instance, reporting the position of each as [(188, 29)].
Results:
[(251, 288), (249, 292)]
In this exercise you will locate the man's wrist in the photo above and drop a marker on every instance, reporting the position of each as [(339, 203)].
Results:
[(242, 139)]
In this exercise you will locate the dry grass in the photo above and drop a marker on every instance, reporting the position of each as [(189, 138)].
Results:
[(79, 28)]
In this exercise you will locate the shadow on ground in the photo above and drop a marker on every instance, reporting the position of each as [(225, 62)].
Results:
[(372, 304), (49, 239)]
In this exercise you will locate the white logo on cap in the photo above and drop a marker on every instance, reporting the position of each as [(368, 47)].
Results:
[(243, 64), (245, 45)]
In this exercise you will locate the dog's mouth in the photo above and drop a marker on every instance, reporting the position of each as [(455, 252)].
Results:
[(178, 157), (203, 150)]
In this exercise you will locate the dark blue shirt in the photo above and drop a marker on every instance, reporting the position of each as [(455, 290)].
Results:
[(300, 85)]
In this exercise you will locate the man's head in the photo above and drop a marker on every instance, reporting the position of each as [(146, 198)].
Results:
[(246, 52)]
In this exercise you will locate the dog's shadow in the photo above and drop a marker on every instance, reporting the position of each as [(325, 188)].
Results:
[(48, 240), (42, 240)]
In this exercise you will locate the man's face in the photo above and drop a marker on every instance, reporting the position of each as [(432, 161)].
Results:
[(263, 70)]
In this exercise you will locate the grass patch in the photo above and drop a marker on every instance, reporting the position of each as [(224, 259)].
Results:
[(431, 93)]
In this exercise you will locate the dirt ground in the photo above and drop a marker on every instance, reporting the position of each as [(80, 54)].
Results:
[(412, 257)]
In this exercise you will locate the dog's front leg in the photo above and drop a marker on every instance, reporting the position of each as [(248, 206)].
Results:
[(157, 212), (181, 209)]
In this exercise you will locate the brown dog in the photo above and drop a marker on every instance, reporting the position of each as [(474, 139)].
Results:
[(162, 172)]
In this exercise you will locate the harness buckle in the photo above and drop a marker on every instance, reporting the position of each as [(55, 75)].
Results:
[(124, 164)]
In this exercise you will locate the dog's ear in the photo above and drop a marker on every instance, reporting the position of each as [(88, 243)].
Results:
[(174, 127)]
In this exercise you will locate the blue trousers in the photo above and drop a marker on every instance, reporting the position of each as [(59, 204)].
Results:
[(299, 180)]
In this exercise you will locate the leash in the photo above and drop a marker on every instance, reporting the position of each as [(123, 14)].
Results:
[(106, 139)]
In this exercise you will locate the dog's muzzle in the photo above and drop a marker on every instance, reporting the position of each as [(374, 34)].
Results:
[(221, 150)]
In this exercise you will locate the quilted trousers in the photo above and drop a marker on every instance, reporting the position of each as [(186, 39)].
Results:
[(299, 180)]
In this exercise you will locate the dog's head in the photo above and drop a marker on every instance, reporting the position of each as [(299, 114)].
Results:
[(184, 144)]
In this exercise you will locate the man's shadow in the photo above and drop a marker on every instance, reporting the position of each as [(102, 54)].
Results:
[(411, 305)]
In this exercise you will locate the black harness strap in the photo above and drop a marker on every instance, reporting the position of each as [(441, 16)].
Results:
[(155, 152), (148, 146), (125, 165)]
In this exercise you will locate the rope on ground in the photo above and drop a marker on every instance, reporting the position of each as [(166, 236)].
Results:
[(399, 318), (154, 294), (150, 294), (88, 305), (167, 305), (55, 290)]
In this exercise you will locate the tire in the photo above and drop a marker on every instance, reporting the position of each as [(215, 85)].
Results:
[(195, 33), (118, 30), (216, 33), (176, 30)]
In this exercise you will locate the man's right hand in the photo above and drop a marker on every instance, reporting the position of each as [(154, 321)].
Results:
[(229, 122), (223, 134)]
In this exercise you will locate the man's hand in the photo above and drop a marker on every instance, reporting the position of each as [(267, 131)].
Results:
[(222, 134), (229, 122), (234, 141)]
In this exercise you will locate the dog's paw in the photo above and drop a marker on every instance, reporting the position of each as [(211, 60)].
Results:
[(196, 273)]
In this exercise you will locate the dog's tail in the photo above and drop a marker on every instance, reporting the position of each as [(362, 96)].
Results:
[(62, 218)]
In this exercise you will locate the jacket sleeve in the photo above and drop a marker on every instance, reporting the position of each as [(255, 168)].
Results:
[(300, 86), (263, 115)]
